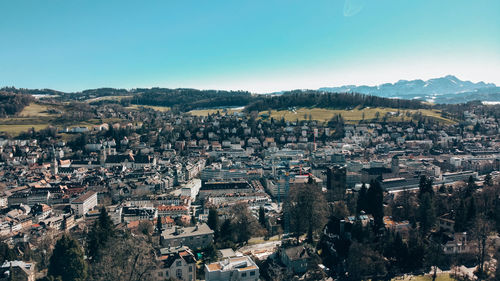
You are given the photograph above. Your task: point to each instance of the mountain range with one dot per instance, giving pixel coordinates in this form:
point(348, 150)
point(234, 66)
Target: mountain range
point(448, 89)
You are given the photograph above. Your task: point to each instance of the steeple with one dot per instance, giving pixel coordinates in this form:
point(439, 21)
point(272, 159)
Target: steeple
point(102, 156)
point(54, 167)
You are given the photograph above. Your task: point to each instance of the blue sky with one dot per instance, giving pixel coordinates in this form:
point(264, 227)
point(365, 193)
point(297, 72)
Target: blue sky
point(252, 45)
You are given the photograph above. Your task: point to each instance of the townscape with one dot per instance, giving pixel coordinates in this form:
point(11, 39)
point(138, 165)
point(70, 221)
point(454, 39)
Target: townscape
point(120, 189)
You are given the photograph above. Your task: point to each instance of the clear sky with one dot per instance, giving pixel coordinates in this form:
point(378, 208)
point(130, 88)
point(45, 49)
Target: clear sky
point(256, 45)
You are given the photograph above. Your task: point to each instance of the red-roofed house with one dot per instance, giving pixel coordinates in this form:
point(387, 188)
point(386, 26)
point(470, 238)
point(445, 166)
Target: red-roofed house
point(172, 211)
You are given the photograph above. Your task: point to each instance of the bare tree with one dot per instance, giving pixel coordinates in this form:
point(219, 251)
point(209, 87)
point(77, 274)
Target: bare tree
point(480, 233)
point(307, 209)
point(125, 258)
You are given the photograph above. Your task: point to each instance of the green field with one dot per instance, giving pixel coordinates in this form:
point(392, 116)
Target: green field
point(157, 108)
point(206, 112)
point(351, 116)
point(323, 115)
point(440, 277)
point(36, 116)
point(15, 130)
point(117, 98)
point(38, 110)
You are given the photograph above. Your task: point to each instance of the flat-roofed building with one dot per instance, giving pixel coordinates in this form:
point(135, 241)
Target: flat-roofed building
point(17, 270)
point(234, 268)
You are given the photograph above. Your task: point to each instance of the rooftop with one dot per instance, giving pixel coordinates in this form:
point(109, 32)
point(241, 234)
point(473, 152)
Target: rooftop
point(235, 263)
point(84, 197)
point(178, 232)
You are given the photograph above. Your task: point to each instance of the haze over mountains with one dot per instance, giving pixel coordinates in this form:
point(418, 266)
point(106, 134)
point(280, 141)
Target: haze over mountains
point(448, 89)
point(444, 90)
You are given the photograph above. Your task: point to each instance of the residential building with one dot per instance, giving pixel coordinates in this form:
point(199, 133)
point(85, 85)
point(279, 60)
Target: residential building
point(295, 258)
point(195, 237)
point(235, 268)
point(20, 270)
point(177, 263)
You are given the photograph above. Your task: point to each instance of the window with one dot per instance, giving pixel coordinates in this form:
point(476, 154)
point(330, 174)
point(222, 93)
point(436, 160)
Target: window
point(190, 268)
point(178, 263)
point(252, 273)
point(160, 274)
point(190, 277)
point(166, 273)
point(178, 273)
point(244, 274)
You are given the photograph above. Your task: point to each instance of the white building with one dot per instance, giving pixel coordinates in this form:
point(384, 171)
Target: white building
point(83, 204)
point(175, 264)
point(235, 268)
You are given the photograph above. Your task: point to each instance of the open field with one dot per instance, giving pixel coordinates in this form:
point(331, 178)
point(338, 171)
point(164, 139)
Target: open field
point(440, 277)
point(157, 108)
point(17, 129)
point(117, 98)
point(352, 116)
point(206, 112)
point(36, 110)
point(323, 115)
point(16, 125)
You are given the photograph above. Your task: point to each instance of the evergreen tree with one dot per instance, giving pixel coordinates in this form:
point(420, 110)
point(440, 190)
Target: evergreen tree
point(488, 181)
point(460, 217)
point(67, 261)
point(6, 253)
point(425, 186)
point(442, 188)
point(471, 187)
point(262, 216)
point(375, 205)
point(471, 211)
point(159, 225)
point(226, 230)
point(416, 252)
point(243, 230)
point(99, 235)
point(213, 220)
point(361, 202)
point(427, 213)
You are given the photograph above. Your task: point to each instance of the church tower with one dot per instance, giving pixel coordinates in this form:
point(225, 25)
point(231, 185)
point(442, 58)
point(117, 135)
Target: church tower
point(102, 156)
point(54, 167)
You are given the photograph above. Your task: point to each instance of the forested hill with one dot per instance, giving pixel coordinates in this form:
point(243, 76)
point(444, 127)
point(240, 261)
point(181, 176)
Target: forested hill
point(329, 100)
point(12, 104)
point(187, 99)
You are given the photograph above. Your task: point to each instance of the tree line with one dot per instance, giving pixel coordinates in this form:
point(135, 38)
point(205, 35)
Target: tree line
point(188, 99)
point(12, 104)
point(311, 98)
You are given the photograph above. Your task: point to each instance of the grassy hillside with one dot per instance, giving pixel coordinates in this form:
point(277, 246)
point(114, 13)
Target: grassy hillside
point(354, 115)
point(350, 116)
point(206, 112)
point(41, 115)
point(157, 108)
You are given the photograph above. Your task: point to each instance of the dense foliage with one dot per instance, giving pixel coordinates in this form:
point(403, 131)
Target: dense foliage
point(187, 99)
point(11, 104)
point(328, 100)
point(67, 261)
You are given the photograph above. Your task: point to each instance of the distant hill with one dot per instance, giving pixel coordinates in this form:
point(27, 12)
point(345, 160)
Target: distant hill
point(448, 89)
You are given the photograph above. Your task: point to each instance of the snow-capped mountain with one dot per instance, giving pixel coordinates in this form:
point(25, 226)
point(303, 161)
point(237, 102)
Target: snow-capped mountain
point(448, 89)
